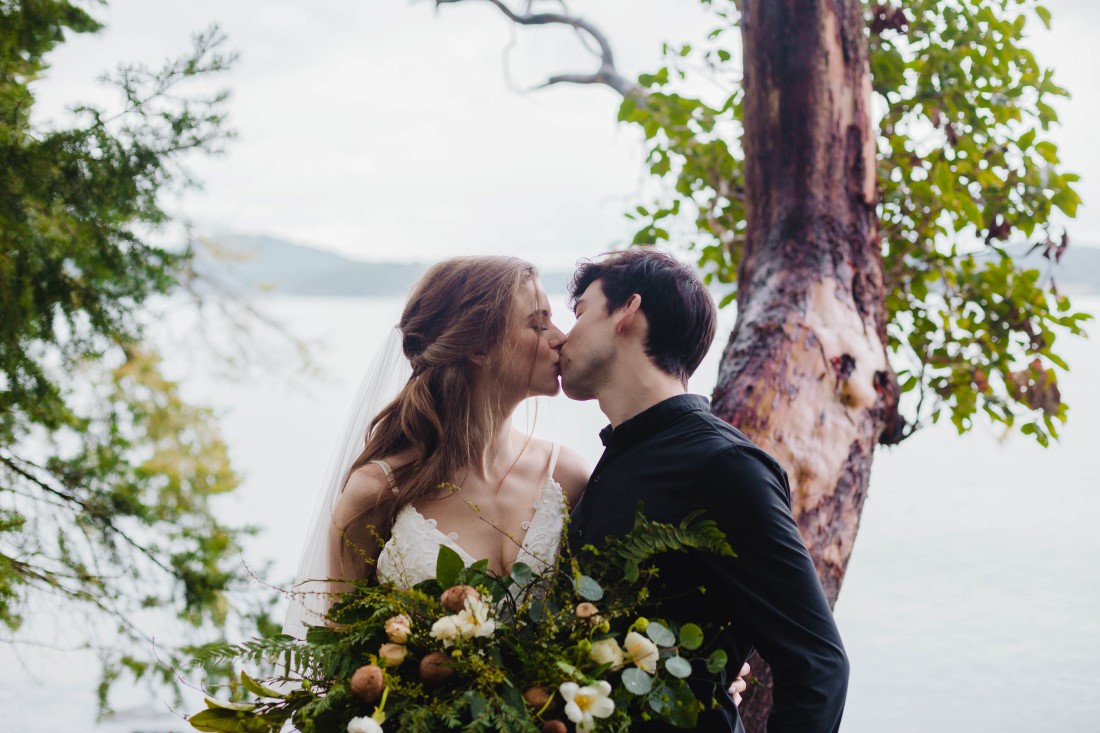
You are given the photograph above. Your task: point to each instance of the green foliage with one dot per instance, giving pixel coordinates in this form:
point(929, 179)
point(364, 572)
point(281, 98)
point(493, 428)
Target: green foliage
point(539, 640)
point(106, 473)
point(965, 167)
point(647, 539)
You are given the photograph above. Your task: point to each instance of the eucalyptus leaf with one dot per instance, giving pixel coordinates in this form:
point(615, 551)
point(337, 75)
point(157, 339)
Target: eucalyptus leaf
point(660, 699)
point(678, 667)
point(636, 681)
point(716, 662)
point(660, 634)
point(691, 637)
point(522, 573)
point(588, 589)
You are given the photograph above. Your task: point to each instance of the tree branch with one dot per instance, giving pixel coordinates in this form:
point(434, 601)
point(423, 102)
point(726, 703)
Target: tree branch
point(607, 74)
point(85, 507)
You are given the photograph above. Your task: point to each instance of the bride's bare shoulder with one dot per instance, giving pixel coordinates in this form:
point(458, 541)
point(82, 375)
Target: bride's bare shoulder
point(572, 473)
point(366, 483)
point(369, 486)
point(571, 470)
point(371, 478)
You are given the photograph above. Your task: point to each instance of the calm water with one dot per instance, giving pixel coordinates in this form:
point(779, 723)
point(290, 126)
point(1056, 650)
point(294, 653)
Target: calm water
point(972, 601)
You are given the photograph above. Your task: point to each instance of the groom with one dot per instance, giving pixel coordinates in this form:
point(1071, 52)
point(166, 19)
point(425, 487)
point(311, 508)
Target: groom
point(644, 323)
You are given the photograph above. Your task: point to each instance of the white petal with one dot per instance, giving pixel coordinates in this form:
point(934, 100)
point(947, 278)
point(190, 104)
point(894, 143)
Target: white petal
point(602, 708)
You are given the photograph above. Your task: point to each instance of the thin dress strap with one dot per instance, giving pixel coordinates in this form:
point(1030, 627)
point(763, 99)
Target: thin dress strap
point(553, 460)
point(389, 472)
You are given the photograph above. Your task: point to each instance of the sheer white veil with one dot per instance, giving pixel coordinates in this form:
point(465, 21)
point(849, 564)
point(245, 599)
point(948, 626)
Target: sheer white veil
point(310, 597)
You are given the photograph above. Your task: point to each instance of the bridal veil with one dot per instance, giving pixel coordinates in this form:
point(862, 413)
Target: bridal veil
point(310, 597)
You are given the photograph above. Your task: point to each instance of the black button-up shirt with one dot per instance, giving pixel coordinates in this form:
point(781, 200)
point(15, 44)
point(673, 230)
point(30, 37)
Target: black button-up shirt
point(676, 457)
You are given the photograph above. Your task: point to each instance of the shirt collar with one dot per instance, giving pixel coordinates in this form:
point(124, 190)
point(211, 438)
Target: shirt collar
point(652, 419)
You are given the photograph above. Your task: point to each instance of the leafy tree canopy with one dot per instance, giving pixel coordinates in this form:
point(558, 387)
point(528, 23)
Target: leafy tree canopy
point(967, 175)
point(106, 474)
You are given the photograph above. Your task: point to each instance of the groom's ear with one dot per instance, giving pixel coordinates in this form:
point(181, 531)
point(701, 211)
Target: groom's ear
point(628, 314)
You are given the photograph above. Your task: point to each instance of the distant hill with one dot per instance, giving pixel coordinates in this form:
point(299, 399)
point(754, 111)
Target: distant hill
point(274, 266)
point(267, 265)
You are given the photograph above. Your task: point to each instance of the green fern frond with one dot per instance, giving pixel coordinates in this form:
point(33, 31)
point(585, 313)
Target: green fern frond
point(647, 539)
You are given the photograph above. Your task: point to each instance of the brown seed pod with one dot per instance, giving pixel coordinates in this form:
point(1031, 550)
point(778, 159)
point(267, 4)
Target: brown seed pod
point(536, 697)
point(454, 598)
point(435, 669)
point(554, 726)
point(586, 610)
point(367, 683)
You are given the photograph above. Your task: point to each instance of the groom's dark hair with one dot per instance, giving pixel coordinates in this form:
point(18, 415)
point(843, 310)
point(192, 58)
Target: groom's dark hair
point(676, 304)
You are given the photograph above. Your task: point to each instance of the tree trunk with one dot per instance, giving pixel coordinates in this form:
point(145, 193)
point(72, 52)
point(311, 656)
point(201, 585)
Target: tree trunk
point(805, 373)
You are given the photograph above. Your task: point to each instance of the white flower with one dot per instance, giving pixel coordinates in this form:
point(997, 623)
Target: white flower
point(445, 630)
point(397, 628)
point(364, 725)
point(607, 651)
point(392, 655)
point(642, 651)
point(584, 704)
point(474, 619)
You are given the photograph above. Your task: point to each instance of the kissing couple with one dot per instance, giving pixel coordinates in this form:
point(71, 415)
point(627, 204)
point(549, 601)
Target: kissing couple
point(441, 464)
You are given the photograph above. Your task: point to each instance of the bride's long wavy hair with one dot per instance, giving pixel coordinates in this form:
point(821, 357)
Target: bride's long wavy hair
point(459, 313)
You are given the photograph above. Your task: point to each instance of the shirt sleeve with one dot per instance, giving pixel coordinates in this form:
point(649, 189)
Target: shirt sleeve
point(771, 592)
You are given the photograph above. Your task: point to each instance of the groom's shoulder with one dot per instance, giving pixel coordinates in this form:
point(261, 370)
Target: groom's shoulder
point(719, 434)
point(728, 446)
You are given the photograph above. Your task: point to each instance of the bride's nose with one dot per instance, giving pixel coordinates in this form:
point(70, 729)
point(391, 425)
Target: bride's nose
point(555, 337)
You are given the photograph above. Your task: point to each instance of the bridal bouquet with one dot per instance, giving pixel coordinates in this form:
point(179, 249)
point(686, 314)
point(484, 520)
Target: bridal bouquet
point(470, 650)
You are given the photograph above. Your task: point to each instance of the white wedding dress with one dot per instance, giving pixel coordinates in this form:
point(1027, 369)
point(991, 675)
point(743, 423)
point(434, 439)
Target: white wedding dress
point(409, 556)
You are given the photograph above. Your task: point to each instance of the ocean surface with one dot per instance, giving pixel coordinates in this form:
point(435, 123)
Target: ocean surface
point(972, 601)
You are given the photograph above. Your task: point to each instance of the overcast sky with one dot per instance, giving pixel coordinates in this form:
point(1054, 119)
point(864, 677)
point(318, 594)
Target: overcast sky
point(385, 130)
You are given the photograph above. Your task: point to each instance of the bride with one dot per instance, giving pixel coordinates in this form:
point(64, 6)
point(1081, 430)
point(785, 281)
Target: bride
point(440, 463)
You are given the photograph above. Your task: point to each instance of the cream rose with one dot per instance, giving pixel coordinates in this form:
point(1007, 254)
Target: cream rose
point(641, 651)
point(445, 630)
point(397, 628)
point(392, 655)
point(607, 651)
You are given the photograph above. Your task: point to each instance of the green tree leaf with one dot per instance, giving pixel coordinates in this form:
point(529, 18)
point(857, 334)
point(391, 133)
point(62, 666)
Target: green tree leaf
point(448, 565)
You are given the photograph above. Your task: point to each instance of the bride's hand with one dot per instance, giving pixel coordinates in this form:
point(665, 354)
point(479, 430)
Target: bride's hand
point(739, 685)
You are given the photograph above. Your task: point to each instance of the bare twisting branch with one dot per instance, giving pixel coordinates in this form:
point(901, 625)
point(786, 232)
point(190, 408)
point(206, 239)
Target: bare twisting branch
point(606, 74)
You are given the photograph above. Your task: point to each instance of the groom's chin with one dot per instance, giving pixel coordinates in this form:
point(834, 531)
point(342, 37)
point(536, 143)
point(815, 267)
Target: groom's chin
point(573, 393)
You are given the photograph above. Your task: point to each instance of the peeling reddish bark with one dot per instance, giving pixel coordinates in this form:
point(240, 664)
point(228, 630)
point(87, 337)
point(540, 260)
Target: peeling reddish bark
point(805, 373)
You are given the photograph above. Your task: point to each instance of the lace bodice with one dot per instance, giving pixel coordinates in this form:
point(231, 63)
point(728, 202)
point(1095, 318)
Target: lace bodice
point(409, 556)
